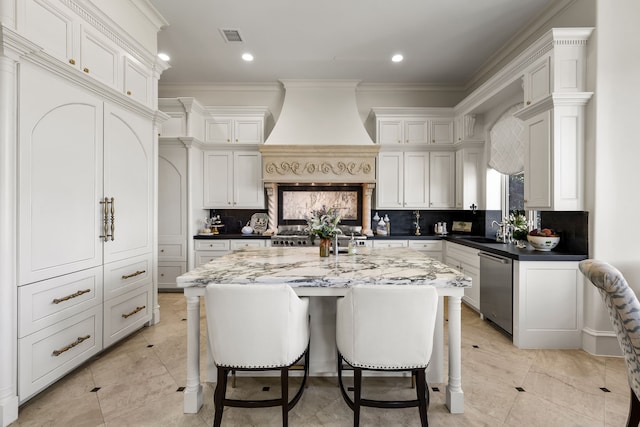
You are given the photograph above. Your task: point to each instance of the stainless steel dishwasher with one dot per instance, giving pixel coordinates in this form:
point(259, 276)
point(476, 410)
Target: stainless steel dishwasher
point(496, 290)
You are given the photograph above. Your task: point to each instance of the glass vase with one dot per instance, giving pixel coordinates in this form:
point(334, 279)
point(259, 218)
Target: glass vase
point(325, 247)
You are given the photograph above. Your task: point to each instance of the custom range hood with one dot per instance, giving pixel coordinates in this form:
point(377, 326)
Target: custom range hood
point(319, 139)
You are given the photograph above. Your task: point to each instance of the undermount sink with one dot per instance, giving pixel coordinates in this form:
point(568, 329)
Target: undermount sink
point(478, 239)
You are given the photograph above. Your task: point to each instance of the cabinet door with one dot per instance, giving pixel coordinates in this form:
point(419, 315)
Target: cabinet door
point(537, 167)
point(248, 190)
point(472, 294)
point(48, 26)
point(390, 131)
point(219, 130)
point(416, 178)
point(416, 131)
point(128, 179)
point(218, 179)
point(468, 178)
point(172, 195)
point(390, 186)
point(537, 81)
point(442, 131)
point(99, 58)
point(441, 179)
point(60, 176)
point(137, 82)
point(248, 131)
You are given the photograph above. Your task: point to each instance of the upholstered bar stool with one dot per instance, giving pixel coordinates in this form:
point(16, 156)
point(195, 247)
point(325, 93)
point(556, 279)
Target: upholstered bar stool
point(386, 328)
point(256, 328)
point(624, 311)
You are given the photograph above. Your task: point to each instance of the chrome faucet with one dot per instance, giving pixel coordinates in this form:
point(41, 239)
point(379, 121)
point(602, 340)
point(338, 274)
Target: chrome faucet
point(501, 233)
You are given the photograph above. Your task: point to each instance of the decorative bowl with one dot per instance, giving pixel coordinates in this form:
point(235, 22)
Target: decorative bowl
point(543, 243)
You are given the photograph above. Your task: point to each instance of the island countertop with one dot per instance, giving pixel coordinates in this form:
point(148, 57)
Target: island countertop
point(303, 267)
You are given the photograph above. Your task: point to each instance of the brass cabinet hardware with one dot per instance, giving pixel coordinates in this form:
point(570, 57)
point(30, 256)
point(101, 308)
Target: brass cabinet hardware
point(528, 102)
point(236, 139)
point(228, 140)
point(86, 70)
point(72, 61)
point(68, 297)
point(70, 346)
point(137, 273)
point(137, 309)
point(128, 92)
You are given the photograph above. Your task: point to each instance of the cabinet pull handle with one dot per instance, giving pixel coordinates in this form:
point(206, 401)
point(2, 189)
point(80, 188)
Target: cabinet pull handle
point(72, 61)
point(137, 273)
point(128, 92)
point(70, 346)
point(68, 297)
point(528, 102)
point(236, 139)
point(86, 70)
point(137, 309)
point(105, 219)
point(228, 140)
point(113, 219)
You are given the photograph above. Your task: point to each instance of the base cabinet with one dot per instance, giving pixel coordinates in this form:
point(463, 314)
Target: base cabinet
point(547, 305)
point(466, 260)
point(210, 249)
point(432, 248)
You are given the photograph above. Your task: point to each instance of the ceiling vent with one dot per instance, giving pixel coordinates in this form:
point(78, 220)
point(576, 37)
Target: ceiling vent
point(231, 36)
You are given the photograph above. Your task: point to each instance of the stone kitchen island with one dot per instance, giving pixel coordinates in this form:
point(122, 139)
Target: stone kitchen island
point(323, 280)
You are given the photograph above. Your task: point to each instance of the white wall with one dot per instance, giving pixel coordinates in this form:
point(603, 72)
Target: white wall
point(613, 149)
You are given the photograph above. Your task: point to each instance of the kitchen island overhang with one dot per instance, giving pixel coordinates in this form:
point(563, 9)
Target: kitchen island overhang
point(313, 276)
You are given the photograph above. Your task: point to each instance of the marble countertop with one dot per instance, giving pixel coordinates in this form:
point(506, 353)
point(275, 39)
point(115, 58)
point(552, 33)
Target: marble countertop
point(304, 267)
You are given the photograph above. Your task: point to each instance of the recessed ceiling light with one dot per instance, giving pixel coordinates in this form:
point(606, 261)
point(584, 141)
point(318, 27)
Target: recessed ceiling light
point(164, 56)
point(397, 58)
point(247, 57)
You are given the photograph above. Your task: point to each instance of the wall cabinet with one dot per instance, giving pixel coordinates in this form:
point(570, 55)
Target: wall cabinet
point(233, 179)
point(414, 126)
point(466, 260)
point(64, 35)
point(411, 179)
point(469, 172)
point(537, 80)
point(235, 125)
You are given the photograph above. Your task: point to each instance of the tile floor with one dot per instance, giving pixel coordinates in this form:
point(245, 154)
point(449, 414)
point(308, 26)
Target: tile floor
point(135, 383)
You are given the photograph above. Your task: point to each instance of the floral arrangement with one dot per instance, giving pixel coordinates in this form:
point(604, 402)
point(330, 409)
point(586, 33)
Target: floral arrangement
point(323, 222)
point(519, 226)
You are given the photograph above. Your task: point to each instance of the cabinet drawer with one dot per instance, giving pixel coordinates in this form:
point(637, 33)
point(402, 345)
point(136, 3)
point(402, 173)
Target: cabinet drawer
point(390, 243)
point(49, 353)
point(206, 256)
point(212, 245)
point(44, 303)
point(123, 276)
point(426, 245)
point(171, 252)
point(167, 273)
point(125, 314)
point(237, 244)
point(463, 254)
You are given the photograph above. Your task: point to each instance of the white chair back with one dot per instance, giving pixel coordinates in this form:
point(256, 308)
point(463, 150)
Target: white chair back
point(256, 326)
point(387, 326)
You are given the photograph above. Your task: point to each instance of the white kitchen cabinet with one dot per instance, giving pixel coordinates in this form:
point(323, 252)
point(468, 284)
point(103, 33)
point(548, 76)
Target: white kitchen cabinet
point(235, 125)
point(233, 179)
point(469, 172)
point(65, 35)
point(547, 304)
point(210, 249)
point(442, 179)
point(414, 126)
point(537, 80)
point(432, 248)
point(388, 243)
point(415, 180)
point(466, 260)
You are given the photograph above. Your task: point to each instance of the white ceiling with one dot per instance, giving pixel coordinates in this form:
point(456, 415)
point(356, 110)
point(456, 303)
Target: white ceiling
point(443, 41)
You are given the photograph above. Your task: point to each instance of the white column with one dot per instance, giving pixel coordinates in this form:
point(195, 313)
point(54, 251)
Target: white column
point(366, 208)
point(8, 226)
point(193, 389)
point(454, 394)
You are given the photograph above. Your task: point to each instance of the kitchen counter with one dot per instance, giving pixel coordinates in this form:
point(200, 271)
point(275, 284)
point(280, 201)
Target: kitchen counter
point(230, 236)
point(513, 252)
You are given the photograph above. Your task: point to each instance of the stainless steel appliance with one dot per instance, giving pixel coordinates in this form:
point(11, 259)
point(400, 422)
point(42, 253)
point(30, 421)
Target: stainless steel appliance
point(298, 235)
point(496, 290)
